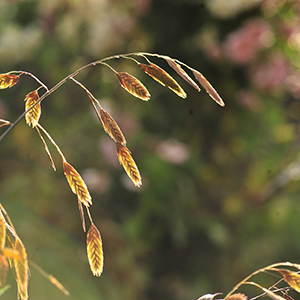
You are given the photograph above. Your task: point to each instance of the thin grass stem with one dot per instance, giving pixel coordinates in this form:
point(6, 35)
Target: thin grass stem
point(52, 141)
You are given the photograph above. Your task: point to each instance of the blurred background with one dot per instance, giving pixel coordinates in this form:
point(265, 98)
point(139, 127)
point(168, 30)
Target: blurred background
point(220, 193)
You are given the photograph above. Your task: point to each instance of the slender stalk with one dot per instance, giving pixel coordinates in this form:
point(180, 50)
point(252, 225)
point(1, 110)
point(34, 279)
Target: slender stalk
point(49, 92)
point(284, 290)
point(50, 277)
point(89, 214)
point(46, 148)
point(35, 78)
point(137, 62)
point(59, 84)
point(287, 264)
point(269, 293)
point(92, 98)
point(52, 141)
point(5, 122)
point(105, 64)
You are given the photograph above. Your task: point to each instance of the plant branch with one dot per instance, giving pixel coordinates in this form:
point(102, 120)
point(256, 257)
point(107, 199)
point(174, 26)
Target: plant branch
point(59, 84)
point(270, 267)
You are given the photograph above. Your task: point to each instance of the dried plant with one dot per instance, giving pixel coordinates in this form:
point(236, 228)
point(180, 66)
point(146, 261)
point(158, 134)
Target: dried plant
point(16, 252)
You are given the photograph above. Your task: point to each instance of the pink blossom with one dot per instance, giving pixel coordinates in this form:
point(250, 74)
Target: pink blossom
point(243, 45)
point(214, 51)
point(97, 181)
point(173, 151)
point(293, 84)
point(128, 124)
point(248, 100)
point(271, 76)
point(108, 149)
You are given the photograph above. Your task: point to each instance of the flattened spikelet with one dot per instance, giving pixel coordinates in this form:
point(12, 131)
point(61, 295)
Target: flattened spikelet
point(292, 279)
point(133, 86)
point(129, 164)
point(33, 116)
point(163, 78)
point(8, 80)
point(22, 270)
point(208, 87)
point(177, 68)
point(94, 250)
point(111, 127)
point(237, 296)
point(77, 184)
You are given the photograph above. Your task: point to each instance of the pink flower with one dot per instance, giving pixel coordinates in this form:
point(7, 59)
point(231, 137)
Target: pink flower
point(272, 75)
point(108, 150)
point(97, 181)
point(173, 151)
point(243, 45)
point(213, 51)
point(248, 100)
point(293, 84)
